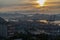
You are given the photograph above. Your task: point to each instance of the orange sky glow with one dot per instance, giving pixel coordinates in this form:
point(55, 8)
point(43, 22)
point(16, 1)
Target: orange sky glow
point(52, 6)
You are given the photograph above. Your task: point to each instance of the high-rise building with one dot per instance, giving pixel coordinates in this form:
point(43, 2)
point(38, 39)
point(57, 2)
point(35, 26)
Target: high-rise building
point(7, 29)
point(10, 29)
point(3, 28)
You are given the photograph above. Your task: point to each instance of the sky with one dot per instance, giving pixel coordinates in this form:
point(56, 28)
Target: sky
point(10, 2)
point(29, 6)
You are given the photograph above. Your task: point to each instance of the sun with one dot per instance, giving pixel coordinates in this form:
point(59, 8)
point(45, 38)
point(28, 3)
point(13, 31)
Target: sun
point(41, 2)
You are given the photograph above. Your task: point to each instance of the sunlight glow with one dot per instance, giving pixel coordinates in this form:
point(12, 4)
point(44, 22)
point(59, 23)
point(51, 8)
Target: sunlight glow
point(41, 2)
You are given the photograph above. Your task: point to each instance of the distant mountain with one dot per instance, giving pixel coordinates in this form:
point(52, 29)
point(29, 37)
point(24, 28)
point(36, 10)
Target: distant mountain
point(34, 16)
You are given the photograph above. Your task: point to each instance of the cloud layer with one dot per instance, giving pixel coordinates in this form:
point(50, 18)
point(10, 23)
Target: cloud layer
point(29, 7)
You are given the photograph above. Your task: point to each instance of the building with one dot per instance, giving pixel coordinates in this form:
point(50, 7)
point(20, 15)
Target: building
point(7, 29)
point(3, 28)
point(10, 29)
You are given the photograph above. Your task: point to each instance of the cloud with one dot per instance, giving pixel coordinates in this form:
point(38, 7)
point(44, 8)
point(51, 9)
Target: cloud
point(11, 2)
point(52, 7)
point(30, 8)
